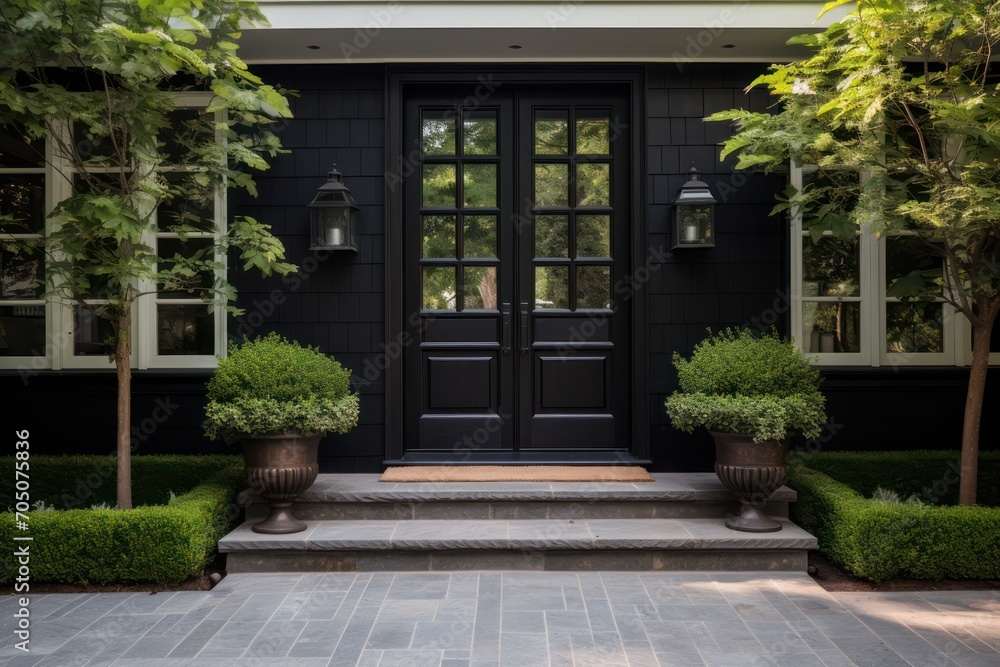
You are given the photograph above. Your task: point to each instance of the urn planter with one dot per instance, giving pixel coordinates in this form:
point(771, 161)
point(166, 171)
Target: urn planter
point(280, 466)
point(753, 471)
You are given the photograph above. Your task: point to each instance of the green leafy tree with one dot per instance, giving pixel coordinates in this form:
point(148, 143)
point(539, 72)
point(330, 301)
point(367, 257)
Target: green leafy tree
point(899, 110)
point(98, 80)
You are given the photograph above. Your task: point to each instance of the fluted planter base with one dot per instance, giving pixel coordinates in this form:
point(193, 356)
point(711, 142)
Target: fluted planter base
point(280, 466)
point(753, 471)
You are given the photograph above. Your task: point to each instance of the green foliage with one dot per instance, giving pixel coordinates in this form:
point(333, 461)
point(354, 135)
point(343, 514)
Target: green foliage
point(740, 382)
point(155, 544)
point(878, 540)
point(273, 384)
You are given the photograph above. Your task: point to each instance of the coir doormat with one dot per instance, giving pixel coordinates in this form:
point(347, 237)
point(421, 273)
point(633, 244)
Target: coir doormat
point(516, 474)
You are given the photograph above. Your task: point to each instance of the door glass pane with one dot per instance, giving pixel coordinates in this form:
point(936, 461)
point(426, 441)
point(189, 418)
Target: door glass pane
point(22, 330)
point(480, 236)
point(551, 236)
point(593, 185)
point(439, 185)
point(439, 235)
point(184, 329)
point(831, 327)
point(439, 288)
point(593, 236)
point(92, 335)
point(22, 272)
point(551, 132)
point(593, 133)
point(906, 254)
point(22, 197)
point(830, 267)
point(182, 286)
point(551, 185)
point(437, 132)
point(480, 136)
point(914, 327)
point(551, 287)
point(593, 287)
point(479, 185)
point(480, 287)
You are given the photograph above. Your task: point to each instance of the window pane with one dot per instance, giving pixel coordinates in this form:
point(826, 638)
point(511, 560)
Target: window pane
point(16, 153)
point(593, 184)
point(439, 288)
point(551, 185)
point(480, 236)
point(439, 185)
point(593, 236)
point(830, 267)
point(914, 327)
point(551, 132)
point(593, 133)
point(480, 133)
point(22, 273)
point(551, 236)
point(22, 331)
point(181, 286)
point(189, 130)
point(184, 329)
point(906, 254)
point(191, 204)
point(92, 335)
point(479, 185)
point(437, 133)
point(551, 287)
point(831, 327)
point(95, 147)
point(480, 287)
point(439, 235)
point(22, 196)
point(593, 287)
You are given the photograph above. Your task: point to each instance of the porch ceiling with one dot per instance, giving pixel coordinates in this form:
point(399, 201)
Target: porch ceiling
point(573, 30)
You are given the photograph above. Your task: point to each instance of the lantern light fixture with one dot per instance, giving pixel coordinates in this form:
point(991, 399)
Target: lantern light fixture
point(333, 216)
point(694, 214)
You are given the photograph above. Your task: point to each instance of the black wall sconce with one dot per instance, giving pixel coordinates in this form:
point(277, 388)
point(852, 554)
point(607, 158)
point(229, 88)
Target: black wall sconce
point(333, 216)
point(694, 214)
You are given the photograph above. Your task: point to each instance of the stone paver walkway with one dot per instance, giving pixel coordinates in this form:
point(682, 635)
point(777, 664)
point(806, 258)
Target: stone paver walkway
point(510, 618)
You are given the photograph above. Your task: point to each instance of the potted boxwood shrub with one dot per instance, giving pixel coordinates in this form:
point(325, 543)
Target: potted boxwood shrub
point(278, 399)
point(752, 392)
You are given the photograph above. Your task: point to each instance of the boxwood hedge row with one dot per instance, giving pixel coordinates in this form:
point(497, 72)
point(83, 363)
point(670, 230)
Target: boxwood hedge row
point(159, 544)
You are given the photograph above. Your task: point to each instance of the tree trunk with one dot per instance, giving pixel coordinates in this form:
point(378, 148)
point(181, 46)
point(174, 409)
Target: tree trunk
point(974, 403)
point(123, 354)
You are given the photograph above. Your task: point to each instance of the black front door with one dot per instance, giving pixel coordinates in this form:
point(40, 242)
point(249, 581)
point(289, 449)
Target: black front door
point(516, 229)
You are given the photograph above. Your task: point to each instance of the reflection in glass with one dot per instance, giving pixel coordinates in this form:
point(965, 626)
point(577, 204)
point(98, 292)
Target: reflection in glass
point(479, 183)
point(16, 153)
point(22, 272)
point(198, 249)
point(593, 135)
point(190, 205)
point(914, 327)
point(480, 133)
point(22, 197)
point(93, 145)
point(439, 288)
point(551, 185)
point(593, 236)
point(190, 129)
point(480, 287)
point(830, 267)
point(551, 236)
point(439, 235)
point(184, 329)
point(92, 335)
point(480, 236)
point(22, 330)
point(831, 327)
point(439, 182)
point(551, 287)
point(551, 132)
point(593, 287)
point(906, 254)
point(437, 133)
point(593, 185)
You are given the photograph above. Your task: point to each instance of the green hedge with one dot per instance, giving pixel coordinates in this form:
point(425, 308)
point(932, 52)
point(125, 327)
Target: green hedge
point(877, 540)
point(156, 544)
point(932, 475)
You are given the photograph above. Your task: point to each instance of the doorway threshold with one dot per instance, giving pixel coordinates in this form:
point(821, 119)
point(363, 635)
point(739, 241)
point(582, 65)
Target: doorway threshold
point(579, 458)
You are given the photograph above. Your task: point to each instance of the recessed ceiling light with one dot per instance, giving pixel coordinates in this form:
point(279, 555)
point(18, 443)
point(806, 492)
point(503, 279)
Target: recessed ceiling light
point(514, 46)
point(314, 47)
point(729, 46)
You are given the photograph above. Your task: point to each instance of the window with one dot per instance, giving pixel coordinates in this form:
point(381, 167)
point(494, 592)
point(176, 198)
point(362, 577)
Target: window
point(172, 327)
point(841, 312)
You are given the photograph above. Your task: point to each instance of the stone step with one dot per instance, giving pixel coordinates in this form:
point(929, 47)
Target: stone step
point(549, 544)
point(363, 497)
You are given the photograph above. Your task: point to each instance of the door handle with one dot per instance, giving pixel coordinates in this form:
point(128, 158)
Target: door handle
point(505, 346)
point(524, 328)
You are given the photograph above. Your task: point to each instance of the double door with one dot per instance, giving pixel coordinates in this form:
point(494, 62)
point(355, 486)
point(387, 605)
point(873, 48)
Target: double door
point(516, 230)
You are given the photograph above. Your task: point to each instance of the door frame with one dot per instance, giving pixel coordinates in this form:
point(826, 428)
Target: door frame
point(400, 79)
